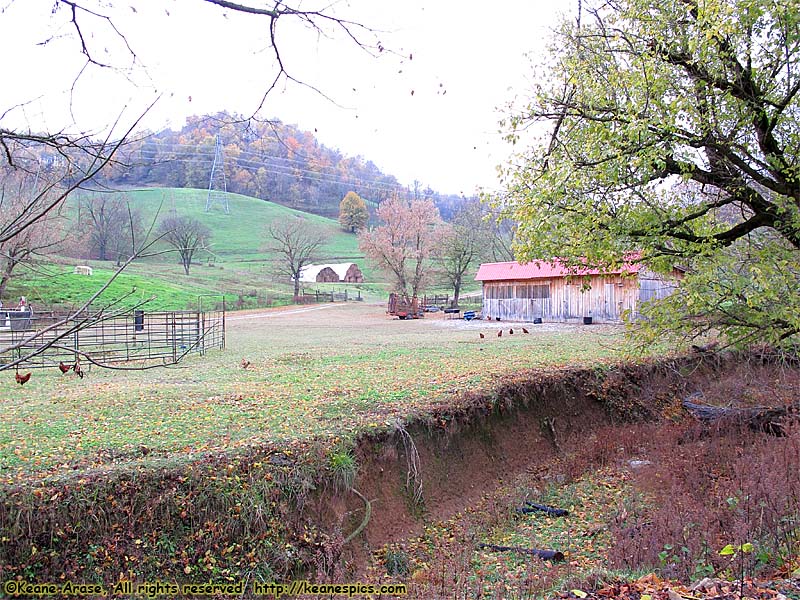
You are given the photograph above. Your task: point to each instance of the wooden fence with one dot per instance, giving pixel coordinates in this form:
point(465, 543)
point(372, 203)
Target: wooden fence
point(332, 296)
point(46, 339)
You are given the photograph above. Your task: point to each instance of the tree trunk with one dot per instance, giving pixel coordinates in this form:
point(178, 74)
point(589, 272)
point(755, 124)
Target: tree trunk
point(6, 277)
point(297, 287)
point(456, 292)
point(766, 419)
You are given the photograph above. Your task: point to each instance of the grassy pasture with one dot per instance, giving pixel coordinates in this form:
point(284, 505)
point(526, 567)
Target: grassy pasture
point(325, 370)
point(238, 236)
point(239, 264)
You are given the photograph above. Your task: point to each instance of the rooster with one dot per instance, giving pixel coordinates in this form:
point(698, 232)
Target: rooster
point(525, 330)
point(245, 363)
point(482, 336)
point(22, 379)
point(510, 332)
point(77, 368)
point(63, 368)
point(500, 333)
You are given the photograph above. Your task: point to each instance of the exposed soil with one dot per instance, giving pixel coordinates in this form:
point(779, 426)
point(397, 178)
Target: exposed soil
point(236, 514)
point(468, 453)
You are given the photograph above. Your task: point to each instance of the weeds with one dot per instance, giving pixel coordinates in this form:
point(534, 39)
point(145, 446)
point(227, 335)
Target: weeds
point(343, 466)
point(727, 504)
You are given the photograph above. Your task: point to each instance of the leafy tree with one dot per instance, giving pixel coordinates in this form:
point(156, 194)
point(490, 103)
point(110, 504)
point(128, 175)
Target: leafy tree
point(464, 243)
point(673, 133)
point(297, 242)
point(353, 213)
point(405, 243)
point(186, 235)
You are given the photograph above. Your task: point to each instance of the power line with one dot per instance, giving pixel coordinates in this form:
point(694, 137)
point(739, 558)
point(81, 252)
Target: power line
point(188, 153)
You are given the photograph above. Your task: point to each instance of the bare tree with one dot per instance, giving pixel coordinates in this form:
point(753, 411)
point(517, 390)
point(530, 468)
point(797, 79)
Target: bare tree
point(186, 236)
point(297, 243)
point(464, 242)
point(16, 191)
point(65, 160)
point(111, 225)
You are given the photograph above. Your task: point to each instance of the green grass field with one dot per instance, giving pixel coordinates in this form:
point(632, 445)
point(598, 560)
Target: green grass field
point(239, 236)
point(239, 265)
point(325, 370)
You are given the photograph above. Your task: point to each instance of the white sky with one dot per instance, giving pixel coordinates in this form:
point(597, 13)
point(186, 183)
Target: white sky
point(468, 61)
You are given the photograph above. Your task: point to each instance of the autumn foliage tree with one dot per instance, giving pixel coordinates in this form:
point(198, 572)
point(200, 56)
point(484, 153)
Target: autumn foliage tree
point(405, 243)
point(673, 132)
point(353, 213)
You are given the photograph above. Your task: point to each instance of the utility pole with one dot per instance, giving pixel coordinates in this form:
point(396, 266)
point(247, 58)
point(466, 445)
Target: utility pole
point(217, 186)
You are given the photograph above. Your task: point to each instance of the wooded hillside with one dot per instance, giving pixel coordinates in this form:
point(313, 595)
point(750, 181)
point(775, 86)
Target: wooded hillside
point(268, 160)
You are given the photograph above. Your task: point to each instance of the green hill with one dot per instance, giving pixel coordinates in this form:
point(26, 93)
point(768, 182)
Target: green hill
point(240, 234)
point(239, 264)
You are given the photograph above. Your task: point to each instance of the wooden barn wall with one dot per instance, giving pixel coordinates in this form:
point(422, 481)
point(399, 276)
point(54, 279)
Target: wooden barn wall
point(653, 286)
point(607, 298)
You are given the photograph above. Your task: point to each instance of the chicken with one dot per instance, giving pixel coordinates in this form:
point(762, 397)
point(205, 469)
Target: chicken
point(22, 379)
point(500, 333)
point(482, 336)
point(63, 368)
point(77, 368)
point(510, 332)
point(245, 363)
point(525, 330)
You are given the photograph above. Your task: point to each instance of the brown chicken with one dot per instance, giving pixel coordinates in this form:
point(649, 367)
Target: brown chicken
point(63, 368)
point(77, 368)
point(245, 363)
point(525, 330)
point(510, 332)
point(500, 333)
point(22, 379)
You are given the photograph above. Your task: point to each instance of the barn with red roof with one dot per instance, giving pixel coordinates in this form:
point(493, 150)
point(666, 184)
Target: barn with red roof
point(551, 292)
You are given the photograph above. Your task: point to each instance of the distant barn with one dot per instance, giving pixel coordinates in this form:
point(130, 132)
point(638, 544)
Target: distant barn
point(334, 273)
point(541, 290)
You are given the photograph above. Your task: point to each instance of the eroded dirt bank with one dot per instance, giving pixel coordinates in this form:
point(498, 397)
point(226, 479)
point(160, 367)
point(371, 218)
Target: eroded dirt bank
point(458, 455)
point(276, 513)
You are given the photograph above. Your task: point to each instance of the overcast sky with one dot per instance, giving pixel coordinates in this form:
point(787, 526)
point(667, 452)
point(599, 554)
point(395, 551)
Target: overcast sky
point(426, 109)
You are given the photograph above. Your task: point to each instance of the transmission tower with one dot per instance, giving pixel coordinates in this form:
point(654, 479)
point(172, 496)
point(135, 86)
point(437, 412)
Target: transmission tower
point(217, 187)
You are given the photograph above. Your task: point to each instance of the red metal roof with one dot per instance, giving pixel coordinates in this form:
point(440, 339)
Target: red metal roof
point(540, 270)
